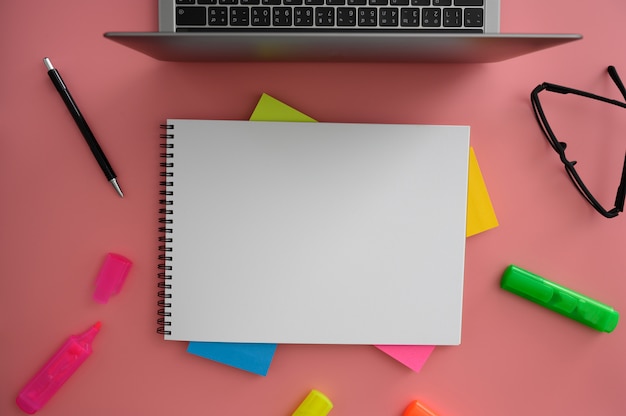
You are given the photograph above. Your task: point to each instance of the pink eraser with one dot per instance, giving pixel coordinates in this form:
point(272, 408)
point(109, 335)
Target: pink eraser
point(111, 277)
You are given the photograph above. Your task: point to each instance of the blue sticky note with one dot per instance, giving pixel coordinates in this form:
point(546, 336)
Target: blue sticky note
point(254, 358)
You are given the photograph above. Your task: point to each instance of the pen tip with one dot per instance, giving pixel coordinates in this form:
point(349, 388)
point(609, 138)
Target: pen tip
point(117, 187)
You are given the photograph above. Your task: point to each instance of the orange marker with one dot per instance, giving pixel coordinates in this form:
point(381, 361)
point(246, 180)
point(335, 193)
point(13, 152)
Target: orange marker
point(415, 408)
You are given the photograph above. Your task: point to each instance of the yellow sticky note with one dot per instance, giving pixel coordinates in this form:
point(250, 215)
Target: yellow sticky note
point(270, 109)
point(480, 214)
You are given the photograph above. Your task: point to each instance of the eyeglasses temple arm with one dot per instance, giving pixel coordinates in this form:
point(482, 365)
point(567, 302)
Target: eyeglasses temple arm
point(556, 88)
point(617, 80)
point(621, 190)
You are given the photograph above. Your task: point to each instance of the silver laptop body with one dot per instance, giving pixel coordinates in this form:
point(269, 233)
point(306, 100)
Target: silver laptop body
point(227, 30)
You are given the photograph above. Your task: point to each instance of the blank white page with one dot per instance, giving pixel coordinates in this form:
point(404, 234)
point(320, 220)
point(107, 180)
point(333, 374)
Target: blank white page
point(317, 232)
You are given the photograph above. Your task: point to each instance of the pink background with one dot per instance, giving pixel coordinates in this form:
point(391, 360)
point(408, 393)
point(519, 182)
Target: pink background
point(59, 218)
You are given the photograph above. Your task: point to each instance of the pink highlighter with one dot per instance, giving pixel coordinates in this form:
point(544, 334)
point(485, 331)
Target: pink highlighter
point(57, 371)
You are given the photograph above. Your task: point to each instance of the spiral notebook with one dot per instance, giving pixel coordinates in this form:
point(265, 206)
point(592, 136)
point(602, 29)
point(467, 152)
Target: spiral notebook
point(278, 232)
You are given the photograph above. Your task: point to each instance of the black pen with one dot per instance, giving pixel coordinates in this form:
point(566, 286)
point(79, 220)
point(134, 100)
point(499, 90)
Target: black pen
point(82, 126)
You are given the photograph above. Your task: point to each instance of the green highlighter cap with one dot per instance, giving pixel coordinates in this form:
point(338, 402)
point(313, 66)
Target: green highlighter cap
point(560, 299)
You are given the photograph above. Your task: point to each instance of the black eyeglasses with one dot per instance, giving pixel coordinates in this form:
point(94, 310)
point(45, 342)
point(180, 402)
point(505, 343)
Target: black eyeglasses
point(559, 147)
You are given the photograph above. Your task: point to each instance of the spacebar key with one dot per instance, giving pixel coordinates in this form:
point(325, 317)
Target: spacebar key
point(195, 16)
point(468, 2)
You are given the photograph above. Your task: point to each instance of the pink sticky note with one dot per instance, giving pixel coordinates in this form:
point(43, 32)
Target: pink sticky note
point(412, 356)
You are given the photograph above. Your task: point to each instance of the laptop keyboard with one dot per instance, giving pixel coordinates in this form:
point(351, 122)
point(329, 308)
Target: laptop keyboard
point(412, 15)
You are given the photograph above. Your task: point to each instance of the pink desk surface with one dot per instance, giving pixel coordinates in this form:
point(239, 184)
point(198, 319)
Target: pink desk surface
point(59, 218)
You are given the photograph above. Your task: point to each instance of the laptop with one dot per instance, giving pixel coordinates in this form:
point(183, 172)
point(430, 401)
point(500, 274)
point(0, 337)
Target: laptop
point(457, 31)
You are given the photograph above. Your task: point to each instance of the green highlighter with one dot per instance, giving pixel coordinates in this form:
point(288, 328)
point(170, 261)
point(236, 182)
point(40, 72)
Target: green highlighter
point(560, 299)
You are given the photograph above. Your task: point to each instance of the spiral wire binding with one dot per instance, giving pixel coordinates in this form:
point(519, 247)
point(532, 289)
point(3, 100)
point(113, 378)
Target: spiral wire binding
point(165, 229)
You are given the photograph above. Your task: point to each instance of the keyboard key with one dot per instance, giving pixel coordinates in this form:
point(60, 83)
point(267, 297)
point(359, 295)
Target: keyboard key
point(442, 2)
point(239, 16)
point(420, 2)
point(271, 2)
point(346, 16)
point(473, 17)
point(378, 2)
point(452, 17)
point(409, 17)
point(207, 1)
point(431, 17)
point(281, 16)
point(314, 2)
point(228, 1)
point(292, 2)
point(260, 16)
point(399, 2)
point(250, 2)
point(357, 2)
point(303, 16)
point(324, 16)
point(190, 16)
point(367, 16)
point(468, 2)
point(388, 16)
point(335, 2)
point(185, 1)
point(218, 16)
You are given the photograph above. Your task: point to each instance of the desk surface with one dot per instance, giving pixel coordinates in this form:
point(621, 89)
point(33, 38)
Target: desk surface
point(60, 218)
